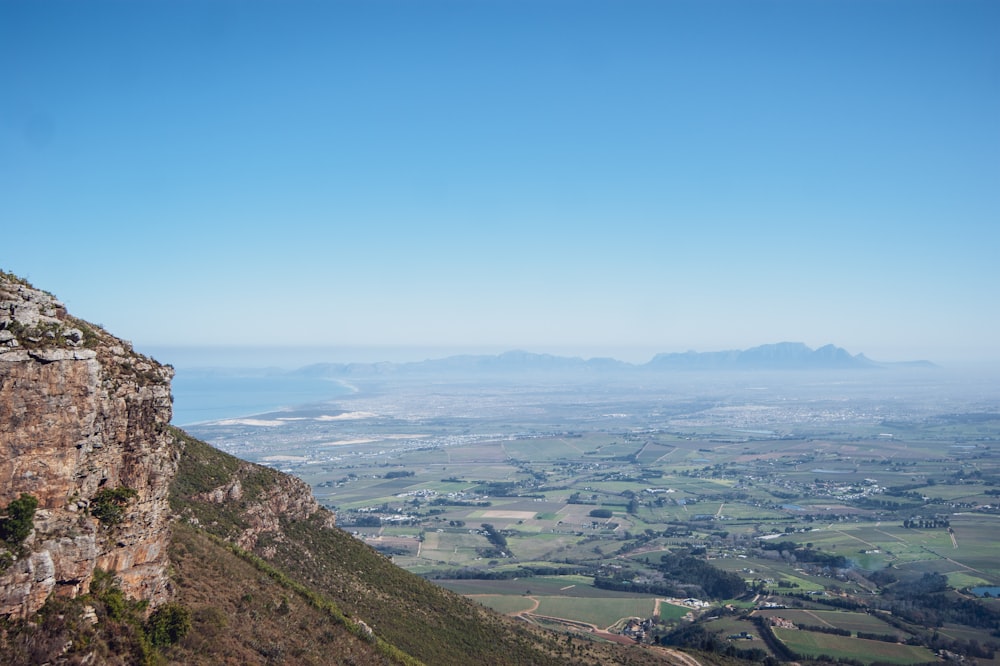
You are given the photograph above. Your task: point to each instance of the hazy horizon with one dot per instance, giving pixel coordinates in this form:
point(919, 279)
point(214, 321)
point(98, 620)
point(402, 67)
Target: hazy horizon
point(598, 178)
point(290, 358)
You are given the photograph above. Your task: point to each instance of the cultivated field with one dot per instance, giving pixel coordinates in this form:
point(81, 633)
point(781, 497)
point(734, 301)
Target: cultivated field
point(812, 644)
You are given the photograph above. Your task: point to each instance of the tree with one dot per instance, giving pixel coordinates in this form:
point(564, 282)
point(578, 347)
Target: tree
point(18, 523)
point(108, 505)
point(170, 623)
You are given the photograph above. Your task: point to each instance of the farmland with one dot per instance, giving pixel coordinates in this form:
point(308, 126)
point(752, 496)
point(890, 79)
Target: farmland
point(812, 644)
point(837, 498)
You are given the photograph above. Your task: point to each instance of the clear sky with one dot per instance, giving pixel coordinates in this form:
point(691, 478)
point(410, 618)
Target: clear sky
point(600, 177)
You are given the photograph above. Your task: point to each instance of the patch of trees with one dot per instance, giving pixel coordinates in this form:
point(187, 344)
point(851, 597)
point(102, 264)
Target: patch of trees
point(918, 522)
point(542, 570)
point(780, 650)
point(443, 501)
point(909, 492)
point(716, 583)
point(634, 541)
point(494, 536)
point(969, 648)
point(601, 513)
point(936, 641)
point(885, 638)
point(886, 505)
point(577, 498)
point(498, 488)
point(685, 576)
point(883, 577)
point(805, 554)
point(469, 573)
point(927, 601)
point(476, 574)
point(822, 629)
point(399, 474)
point(665, 588)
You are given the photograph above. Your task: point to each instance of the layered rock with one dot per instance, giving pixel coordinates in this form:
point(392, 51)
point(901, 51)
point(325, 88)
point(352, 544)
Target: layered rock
point(81, 414)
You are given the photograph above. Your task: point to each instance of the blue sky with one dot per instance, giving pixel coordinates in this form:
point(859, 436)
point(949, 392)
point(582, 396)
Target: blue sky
point(598, 178)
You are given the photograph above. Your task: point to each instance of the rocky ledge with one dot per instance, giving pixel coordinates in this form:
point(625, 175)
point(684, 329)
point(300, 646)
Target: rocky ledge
point(83, 429)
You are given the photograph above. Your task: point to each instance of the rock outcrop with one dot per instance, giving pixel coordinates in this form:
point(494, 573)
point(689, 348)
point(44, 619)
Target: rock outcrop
point(261, 510)
point(83, 426)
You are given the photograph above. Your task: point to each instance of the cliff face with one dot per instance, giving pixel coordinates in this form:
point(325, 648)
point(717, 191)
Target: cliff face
point(81, 415)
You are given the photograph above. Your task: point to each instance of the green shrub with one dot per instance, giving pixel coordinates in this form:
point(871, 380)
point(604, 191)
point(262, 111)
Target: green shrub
point(168, 624)
point(108, 505)
point(120, 620)
point(17, 525)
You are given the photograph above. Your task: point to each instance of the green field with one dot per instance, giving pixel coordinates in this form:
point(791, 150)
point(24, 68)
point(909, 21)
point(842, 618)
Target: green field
point(598, 611)
point(813, 644)
point(853, 622)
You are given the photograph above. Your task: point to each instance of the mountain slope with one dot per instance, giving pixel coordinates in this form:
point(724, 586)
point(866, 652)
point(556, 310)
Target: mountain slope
point(125, 541)
point(324, 563)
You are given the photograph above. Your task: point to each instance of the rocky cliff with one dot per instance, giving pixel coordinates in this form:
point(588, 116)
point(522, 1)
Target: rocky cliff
point(83, 428)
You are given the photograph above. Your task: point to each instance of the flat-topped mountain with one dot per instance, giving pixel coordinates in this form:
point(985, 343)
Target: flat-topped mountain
point(780, 356)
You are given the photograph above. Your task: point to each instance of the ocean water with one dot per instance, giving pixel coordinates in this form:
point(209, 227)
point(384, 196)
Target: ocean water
point(201, 396)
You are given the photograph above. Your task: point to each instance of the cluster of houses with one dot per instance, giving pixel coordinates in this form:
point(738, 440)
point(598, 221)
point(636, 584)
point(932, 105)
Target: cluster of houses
point(637, 629)
point(742, 636)
point(770, 605)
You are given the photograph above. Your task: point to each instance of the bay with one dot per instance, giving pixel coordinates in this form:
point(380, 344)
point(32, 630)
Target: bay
point(201, 396)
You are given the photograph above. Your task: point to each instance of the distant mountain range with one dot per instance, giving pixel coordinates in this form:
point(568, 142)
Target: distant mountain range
point(779, 356)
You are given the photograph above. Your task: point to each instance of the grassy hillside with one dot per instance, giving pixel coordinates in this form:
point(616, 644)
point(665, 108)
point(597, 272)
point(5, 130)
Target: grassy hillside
point(328, 585)
point(242, 615)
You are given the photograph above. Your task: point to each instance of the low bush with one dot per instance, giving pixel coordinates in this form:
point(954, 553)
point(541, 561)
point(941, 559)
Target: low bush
point(108, 505)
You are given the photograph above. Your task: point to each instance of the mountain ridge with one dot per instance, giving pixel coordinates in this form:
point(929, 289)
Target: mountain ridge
point(782, 356)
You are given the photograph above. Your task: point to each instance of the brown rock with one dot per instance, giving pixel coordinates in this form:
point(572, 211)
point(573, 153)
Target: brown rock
point(80, 411)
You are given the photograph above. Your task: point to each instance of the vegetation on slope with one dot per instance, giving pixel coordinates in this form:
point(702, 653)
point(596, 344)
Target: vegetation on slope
point(242, 615)
point(101, 627)
point(351, 584)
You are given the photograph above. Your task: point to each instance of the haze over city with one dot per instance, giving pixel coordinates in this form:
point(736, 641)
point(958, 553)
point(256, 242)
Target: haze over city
point(591, 178)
